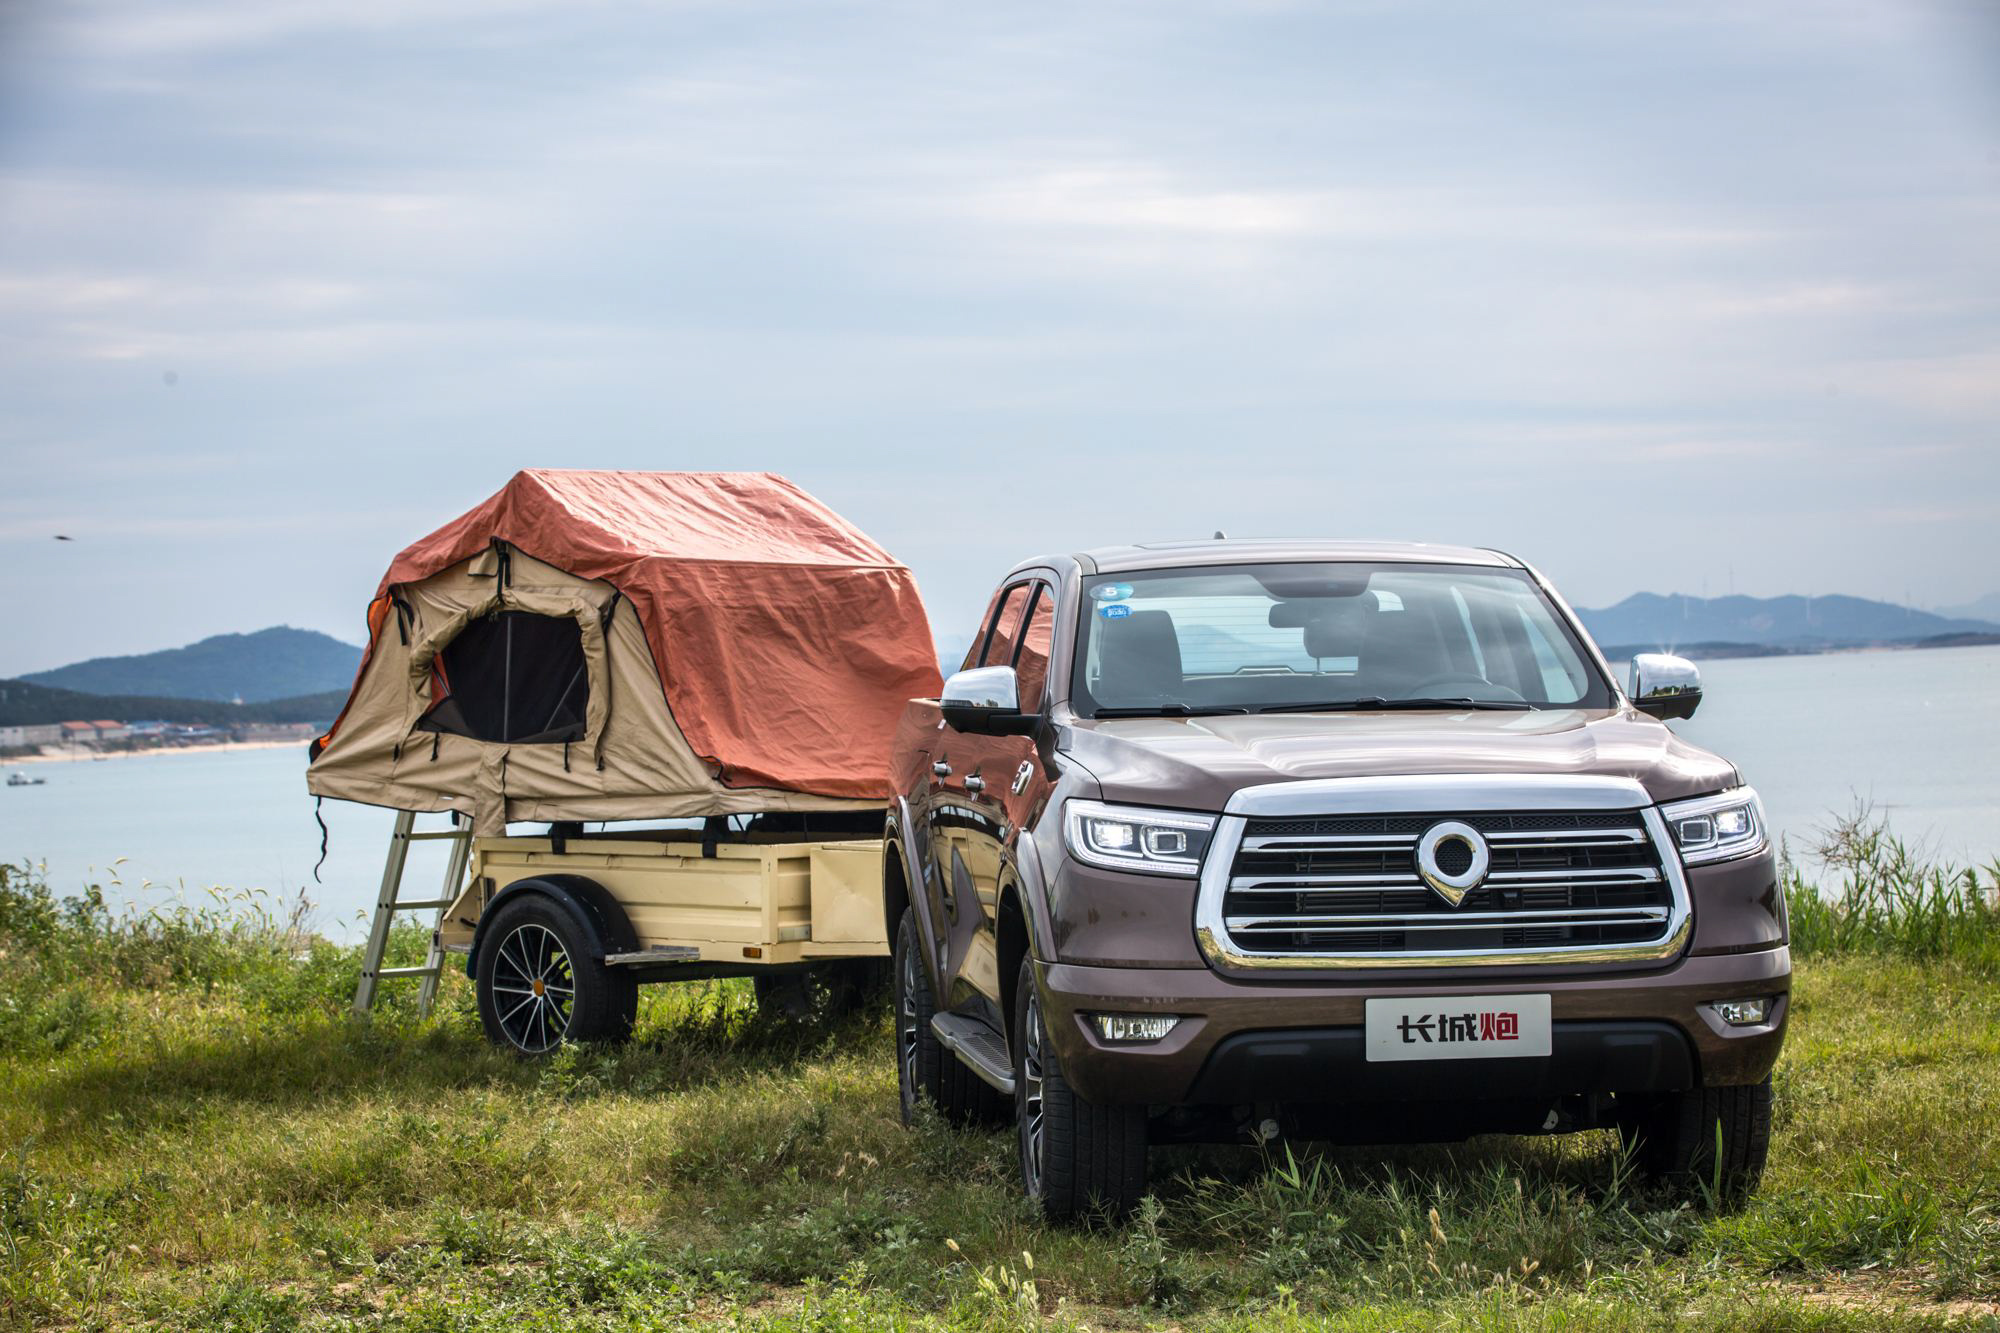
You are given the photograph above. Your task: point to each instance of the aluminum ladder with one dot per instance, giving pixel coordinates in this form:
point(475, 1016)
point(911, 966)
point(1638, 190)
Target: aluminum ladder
point(389, 902)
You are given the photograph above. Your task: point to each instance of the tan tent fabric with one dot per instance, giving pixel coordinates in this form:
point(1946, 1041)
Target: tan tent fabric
point(757, 654)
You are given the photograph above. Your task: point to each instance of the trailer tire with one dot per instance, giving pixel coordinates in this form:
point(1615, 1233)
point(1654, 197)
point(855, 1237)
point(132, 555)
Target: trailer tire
point(924, 1068)
point(824, 992)
point(540, 981)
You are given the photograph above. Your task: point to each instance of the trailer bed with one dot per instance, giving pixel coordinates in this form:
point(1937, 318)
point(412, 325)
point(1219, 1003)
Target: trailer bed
point(746, 903)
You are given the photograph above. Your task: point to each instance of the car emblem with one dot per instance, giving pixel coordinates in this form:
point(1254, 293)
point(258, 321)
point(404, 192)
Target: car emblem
point(1453, 859)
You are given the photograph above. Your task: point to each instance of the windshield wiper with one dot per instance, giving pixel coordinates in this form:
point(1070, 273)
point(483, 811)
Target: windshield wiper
point(1376, 703)
point(1171, 710)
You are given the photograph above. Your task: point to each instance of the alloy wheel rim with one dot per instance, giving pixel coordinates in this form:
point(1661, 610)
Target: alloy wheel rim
point(534, 988)
point(1033, 1131)
point(906, 1025)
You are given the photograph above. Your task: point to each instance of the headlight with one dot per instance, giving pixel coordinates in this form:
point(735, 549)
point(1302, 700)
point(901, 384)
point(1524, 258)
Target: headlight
point(1126, 837)
point(1717, 828)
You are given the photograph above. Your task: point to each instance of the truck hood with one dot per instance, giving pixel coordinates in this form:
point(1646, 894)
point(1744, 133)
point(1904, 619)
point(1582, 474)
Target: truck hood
point(1199, 763)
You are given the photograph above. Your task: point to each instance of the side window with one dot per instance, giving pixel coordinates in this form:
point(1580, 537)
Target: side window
point(1471, 635)
point(1558, 685)
point(979, 635)
point(1006, 633)
point(1031, 662)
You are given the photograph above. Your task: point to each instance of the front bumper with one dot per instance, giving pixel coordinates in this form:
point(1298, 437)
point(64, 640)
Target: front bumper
point(1292, 1038)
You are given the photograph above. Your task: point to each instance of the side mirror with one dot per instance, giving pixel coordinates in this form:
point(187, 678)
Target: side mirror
point(985, 701)
point(1665, 686)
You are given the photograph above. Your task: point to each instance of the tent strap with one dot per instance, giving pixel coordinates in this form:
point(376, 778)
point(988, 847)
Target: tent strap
point(604, 625)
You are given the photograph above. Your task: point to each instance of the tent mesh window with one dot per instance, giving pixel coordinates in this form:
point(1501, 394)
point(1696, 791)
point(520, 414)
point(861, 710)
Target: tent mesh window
point(516, 677)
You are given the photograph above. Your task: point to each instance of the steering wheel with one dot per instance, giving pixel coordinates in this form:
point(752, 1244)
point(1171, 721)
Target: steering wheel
point(1484, 690)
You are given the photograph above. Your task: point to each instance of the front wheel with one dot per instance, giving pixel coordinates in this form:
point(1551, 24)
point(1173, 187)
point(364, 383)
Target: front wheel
point(1708, 1142)
point(1077, 1158)
point(538, 985)
point(924, 1068)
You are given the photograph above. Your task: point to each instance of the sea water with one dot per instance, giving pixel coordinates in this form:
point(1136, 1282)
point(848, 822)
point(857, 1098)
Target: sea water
point(1915, 735)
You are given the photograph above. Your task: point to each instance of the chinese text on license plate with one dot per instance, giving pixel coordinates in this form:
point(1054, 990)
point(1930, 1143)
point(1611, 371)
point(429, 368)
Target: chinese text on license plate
point(1458, 1027)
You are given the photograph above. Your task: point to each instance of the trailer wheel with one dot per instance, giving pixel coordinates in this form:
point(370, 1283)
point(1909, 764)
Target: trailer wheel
point(827, 991)
point(538, 985)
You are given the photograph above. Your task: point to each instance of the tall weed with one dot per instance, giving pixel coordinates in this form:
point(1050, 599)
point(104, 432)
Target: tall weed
point(1893, 900)
point(65, 957)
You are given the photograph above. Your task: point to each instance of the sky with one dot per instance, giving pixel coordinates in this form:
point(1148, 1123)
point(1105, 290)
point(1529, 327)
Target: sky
point(1691, 297)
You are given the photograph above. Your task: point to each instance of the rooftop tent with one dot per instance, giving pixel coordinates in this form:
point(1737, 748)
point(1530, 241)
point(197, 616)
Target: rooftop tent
point(632, 645)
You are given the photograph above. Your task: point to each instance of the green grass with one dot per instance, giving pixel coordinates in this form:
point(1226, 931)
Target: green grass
point(1890, 900)
point(194, 1135)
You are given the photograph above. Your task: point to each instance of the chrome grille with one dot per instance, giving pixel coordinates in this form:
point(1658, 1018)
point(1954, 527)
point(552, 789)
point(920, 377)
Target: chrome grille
point(1347, 886)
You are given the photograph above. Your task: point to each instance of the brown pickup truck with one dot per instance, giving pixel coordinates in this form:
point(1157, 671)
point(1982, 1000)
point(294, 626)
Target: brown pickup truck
point(1221, 841)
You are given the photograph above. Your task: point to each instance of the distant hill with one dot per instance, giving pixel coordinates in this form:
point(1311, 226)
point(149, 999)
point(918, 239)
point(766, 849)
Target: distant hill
point(1651, 621)
point(23, 703)
point(276, 663)
point(1980, 608)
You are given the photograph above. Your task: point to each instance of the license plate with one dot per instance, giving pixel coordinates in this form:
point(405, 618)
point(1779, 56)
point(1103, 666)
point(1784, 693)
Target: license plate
point(1458, 1027)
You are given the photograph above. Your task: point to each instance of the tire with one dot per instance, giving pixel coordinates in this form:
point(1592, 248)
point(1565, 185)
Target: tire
point(871, 978)
point(537, 986)
point(1078, 1159)
point(1677, 1136)
point(924, 1068)
point(823, 993)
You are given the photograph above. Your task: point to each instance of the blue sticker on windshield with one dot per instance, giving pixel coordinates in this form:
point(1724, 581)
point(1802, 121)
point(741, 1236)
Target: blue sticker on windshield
point(1111, 592)
point(1116, 611)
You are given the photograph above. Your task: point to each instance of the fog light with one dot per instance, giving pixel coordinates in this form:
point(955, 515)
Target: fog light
point(1743, 1013)
point(1133, 1027)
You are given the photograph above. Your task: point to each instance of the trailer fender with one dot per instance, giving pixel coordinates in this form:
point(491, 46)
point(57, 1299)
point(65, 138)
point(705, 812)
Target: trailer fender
point(587, 902)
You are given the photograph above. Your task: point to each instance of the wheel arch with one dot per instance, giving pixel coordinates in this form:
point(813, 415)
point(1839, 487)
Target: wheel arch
point(1020, 926)
point(596, 912)
point(899, 877)
point(1010, 939)
point(895, 888)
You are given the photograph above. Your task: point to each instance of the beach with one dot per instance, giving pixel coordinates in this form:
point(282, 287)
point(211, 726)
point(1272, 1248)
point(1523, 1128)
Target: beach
point(60, 756)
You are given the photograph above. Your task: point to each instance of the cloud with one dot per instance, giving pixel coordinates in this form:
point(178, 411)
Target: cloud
point(220, 27)
point(992, 278)
point(1952, 385)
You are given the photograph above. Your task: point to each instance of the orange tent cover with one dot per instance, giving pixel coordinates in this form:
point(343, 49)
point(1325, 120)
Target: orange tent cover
point(786, 641)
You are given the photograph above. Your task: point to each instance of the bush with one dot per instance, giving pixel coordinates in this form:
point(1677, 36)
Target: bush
point(1892, 900)
point(69, 959)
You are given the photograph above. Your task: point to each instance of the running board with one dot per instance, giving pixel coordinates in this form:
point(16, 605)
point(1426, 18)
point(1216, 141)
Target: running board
point(659, 953)
point(979, 1047)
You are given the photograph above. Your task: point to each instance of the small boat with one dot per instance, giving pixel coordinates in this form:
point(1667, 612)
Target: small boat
point(23, 780)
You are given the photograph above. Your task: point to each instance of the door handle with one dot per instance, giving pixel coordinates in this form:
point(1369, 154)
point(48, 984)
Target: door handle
point(974, 782)
point(941, 768)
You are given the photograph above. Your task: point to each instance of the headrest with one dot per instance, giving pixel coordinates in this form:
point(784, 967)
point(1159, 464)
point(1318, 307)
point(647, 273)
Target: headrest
point(1400, 648)
point(1141, 656)
point(1336, 627)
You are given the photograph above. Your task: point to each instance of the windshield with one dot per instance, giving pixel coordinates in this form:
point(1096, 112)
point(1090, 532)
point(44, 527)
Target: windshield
point(1253, 638)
